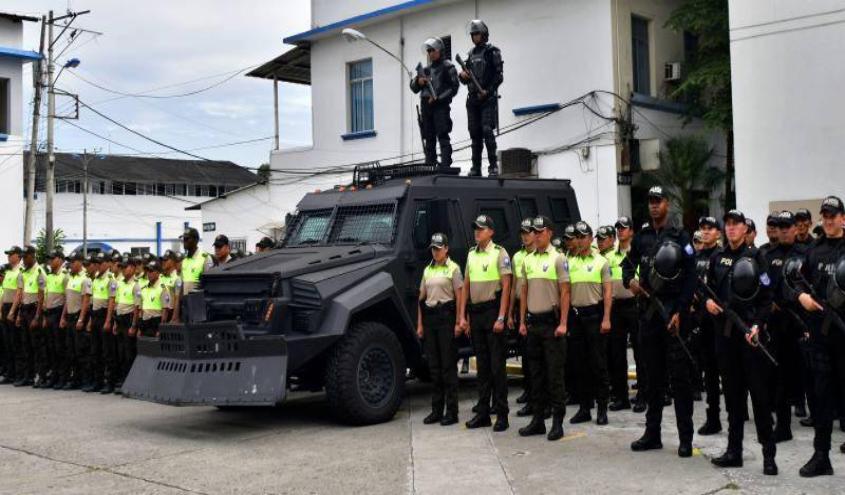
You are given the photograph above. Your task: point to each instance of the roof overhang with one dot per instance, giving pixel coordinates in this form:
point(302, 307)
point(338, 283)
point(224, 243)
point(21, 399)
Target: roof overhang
point(18, 17)
point(26, 55)
point(358, 20)
point(293, 66)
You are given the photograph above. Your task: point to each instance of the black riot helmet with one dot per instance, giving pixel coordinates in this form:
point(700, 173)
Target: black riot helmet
point(836, 287)
point(668, 261)
point(434, 44)
point(745, 279)
point(477, 26)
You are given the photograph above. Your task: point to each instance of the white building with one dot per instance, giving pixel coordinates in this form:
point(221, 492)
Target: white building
point(134, 204)
point(787, 70)
point(12, 132)
point(554, 52)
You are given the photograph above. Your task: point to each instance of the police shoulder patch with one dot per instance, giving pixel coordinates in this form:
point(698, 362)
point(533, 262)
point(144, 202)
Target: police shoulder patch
point(689, 250)
point(765, 280)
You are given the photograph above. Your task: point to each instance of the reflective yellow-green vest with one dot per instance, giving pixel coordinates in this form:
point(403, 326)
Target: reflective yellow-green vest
point(100, 286)
point(586, 269)
point(434, 270)
point(151, 297)
point(482, 266)
point(55, 282)
point(517, 261)
point(193, 266)
point(74, 282)
point(125, 292)
point(542, 265)
point(614, 259)
point(10, 282)
point(30, 279)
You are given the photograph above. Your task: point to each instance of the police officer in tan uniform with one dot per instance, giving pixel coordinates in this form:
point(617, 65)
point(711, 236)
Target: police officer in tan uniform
point(28, 311)
point(73, 320)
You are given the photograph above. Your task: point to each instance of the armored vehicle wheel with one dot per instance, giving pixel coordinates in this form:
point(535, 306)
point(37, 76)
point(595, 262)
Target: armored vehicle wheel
point(365, 375)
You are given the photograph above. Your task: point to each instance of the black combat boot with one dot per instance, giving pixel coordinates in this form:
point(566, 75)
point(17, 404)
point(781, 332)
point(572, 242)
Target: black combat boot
point(556, 433)
point(537, 426)
point(582, 416)
point(712, 426)
point(731, 458)
point(685, 449)
point(640, 406)
point(601, 414)
point(450, 418)
point(770, 468)
point(525, 411)
point(818, 465)
point(808, 422)
point(649, 441)
point(475, 171)
point(523, 399)
point(800, 411)
point(432, 418)
point(501, 423)
point(620, 405)
point(108, 388)
point(479, 421)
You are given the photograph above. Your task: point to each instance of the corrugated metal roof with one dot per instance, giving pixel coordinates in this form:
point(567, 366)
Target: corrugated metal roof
point(293, 66)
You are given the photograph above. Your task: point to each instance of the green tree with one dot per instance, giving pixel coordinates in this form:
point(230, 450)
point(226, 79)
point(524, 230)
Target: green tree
point(687, 176)
point(706, 86)
point(41, 243)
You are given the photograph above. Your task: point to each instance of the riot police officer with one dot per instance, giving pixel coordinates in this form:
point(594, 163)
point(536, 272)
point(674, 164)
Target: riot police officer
point(484, 304)
point(7, 319)
point(483, 75)
point(527, 237)
point(543, 308)
point(738, 275)
point(803, 224)
point(772, 231)
point(751, 234)
point(438, 326)
point(436, 84)
point(826, 342)
point(709, 229)
point(665, 259)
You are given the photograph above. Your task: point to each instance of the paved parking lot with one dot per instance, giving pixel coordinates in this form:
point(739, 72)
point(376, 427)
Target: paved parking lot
point(70, 442)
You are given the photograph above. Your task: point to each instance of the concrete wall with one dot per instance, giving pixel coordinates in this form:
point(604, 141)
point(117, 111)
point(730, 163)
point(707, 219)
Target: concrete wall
point(123, 222)
point(11, 190)
point(12, 69)
point(787, 68)
point(11, 33)
point(249, 215)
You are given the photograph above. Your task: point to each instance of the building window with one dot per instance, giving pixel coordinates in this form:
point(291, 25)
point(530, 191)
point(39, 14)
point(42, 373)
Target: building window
point(239, 244)
point(447, 47)
point(361, 96)
point(640, 51)
point(5, 112)
point(139, 251)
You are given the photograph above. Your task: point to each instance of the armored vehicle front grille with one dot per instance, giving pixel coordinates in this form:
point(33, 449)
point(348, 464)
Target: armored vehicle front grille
point(305, 294)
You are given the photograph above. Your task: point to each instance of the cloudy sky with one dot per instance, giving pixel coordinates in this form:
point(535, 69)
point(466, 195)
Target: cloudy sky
point(157, 47)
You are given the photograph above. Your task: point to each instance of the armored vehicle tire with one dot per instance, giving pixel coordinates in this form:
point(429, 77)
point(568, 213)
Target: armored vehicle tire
point(365, 375)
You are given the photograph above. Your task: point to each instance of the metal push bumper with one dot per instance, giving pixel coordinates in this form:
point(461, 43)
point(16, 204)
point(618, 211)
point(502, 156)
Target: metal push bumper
point(209, 363)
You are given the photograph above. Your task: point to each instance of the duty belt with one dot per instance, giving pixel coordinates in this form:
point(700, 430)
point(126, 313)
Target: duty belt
point(586, 312)
point(478, 308)
point(439, 308)
point(52, 311)
point(547, 317)
point(627, 302)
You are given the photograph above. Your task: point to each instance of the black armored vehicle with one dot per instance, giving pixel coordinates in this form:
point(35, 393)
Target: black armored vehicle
point(335, 307)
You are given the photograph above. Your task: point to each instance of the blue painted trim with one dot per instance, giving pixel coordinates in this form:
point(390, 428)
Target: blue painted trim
point(358, 135)
point(119, 239)
point(4, 138)
point(158, 238)
point(548, 107)
point(308, 35)
point(6, 51)
point(645, 101)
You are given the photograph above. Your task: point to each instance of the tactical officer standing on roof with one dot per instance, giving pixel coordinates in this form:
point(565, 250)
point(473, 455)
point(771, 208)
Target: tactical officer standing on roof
point(738, 274)
point(196, 261)
point(709, 229)
point(803, 224)
point(103, 287)
point(50, 334)
point(484, 67)
point(72, 322)
point(7, 319)
point(438, 325)
point(544, 306)
point(485, 297)
point(825, 272)
point(786, 328)
point(436, 84)
point(526, 234)
point(592, 301)
point(665, 260)
point(152, 303)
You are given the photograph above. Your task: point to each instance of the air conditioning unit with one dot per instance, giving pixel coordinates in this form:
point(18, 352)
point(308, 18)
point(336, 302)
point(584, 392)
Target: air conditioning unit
point(517, 162)
point(672, 71)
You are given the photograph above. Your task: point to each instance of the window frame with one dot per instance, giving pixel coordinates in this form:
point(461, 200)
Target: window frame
point(645, 52)
point(356, 124)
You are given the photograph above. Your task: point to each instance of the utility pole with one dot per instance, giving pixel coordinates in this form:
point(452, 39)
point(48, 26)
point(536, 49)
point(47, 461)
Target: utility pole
point(38, 86)
point(85, 202)
point(51, 158)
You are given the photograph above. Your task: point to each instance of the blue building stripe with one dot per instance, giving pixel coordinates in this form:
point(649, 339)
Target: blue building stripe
point(6, 51)
point(548, 107)
point(307, 35)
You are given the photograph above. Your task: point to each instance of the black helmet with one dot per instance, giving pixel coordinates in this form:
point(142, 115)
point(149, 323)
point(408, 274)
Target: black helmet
point(745, 279)
point(668, 261)
point(836, 288)
point(477, 26)
point(434, 44)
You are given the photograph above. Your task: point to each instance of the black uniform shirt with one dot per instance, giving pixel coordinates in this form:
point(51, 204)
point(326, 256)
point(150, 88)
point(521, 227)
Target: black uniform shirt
point(821, 261)
point(756, 311)
point(485, 62)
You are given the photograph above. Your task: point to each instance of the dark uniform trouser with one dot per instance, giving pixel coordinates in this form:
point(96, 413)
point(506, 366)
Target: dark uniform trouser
point(490, 358)
point(45, 343)
point(482, 120)
point(787, 383)
point(23, 342)
point(575, 373)
point(437, 124)
point(710, 366)
point(808, 379)
point(664, 357)
point(7, 334)
point(547, 355)
point(745, 369)
point(149, 327)
point(828, 366)
point(623, 318)
point(591, 348)
point(111, 363)
point(68, 364)
point(442, 354)
point(95, 367)
point(125, 346)
point(522, 342)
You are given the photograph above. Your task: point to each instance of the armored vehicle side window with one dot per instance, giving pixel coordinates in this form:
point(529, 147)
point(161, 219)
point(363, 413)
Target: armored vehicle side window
point(365, 223)
point(560, 210)
point(421, 234)
point(309, 228)
point(500, 218)
point(528, 208)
